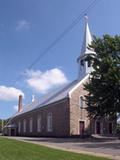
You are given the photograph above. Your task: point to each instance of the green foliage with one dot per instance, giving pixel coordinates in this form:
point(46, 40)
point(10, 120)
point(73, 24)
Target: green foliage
point(4, 123)
point(16, 150)
point(104, 86)
point(118, 129)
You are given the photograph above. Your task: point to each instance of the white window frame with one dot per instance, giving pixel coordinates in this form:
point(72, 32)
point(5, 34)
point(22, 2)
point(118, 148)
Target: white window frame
point(31, 125)
point(49, 122)
point(81, 102)
point(24, 126)
point(19, 127)
point(39, 124)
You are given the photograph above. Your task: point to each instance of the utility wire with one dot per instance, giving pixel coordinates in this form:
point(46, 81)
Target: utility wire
point(63, 34)
point(67, 30)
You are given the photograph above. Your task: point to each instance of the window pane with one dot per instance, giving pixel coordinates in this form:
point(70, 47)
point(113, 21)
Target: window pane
point(89, 63)
point(49, 122)
point(81, 102)
point(31, 125)
point(24, 126)
point(39, 124)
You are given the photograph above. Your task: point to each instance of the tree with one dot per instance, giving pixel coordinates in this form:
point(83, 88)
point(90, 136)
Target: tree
point(3, 122)
point(103, 88)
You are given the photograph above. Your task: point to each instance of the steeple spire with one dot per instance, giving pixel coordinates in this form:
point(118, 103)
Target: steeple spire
point(85, 67)
point(87, 40)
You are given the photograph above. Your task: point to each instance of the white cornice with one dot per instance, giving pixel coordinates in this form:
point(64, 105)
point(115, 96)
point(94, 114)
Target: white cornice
point(77, 85)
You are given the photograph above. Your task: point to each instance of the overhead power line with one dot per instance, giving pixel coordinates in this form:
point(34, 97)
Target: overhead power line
point(65, 32)
point(62, 35)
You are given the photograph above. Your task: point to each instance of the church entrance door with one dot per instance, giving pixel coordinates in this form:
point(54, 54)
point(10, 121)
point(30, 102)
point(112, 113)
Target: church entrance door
point(81, 127)
point(110, 128)
point(98, 128)
point(12, 132)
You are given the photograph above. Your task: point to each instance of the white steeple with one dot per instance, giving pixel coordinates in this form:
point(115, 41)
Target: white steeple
point(85, 66)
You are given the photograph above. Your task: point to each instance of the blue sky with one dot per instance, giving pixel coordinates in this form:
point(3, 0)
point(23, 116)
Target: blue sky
point(27, 28)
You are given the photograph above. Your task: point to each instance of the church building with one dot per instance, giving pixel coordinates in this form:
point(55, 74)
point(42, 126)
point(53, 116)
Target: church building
point(62, 113)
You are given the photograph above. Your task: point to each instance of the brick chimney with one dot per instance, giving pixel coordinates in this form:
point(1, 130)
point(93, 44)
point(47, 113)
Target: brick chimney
point(20, 107)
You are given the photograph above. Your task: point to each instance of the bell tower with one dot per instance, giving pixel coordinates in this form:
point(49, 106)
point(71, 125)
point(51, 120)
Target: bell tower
point(85, 65)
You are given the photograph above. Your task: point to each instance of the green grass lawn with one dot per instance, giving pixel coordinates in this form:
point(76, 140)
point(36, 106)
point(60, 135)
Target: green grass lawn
point(16, 150)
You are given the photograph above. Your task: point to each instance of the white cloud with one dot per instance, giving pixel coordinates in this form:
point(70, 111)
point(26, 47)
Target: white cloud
point(22, 24)
point(9, 93)
point(44, 81)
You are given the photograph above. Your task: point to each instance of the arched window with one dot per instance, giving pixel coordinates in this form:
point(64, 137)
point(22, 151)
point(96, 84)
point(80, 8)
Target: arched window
point(82, 62)
point(39, 123)
point(81, 102)
point(89, 63)
point(31, 124)
point(24, 126)
point(49, 122)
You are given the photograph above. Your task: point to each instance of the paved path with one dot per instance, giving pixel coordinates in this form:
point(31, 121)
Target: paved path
point(106, 147)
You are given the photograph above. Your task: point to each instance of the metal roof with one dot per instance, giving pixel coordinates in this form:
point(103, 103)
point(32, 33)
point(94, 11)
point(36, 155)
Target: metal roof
point(87, 40)
point(49, 98)
point(11, 126)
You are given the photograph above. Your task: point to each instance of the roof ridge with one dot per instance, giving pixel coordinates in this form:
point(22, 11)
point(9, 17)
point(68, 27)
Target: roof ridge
point(54, 97)
point(58, 92)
